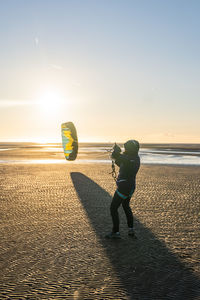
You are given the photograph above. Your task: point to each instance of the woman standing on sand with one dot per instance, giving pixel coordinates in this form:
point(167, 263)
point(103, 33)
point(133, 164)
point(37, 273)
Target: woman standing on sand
point(129, 164)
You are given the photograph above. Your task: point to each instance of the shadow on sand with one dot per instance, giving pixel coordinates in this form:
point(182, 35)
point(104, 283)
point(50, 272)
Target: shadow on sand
point(145, 267)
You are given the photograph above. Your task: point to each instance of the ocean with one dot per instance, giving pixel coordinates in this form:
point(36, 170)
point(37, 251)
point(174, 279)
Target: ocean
point(161, 154)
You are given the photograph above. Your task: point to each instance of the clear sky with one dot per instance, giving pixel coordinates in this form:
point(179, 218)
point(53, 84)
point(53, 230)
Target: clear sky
point(118, 69)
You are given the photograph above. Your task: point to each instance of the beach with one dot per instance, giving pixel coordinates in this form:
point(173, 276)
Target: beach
point(54, 217)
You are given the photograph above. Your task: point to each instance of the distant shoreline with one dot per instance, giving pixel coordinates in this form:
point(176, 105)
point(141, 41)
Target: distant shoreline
point(48, 153)
point(177, 146)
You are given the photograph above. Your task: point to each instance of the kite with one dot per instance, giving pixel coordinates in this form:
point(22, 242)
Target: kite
point(69, 140)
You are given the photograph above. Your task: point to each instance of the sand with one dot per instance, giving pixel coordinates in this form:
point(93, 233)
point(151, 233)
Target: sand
point(52, 226)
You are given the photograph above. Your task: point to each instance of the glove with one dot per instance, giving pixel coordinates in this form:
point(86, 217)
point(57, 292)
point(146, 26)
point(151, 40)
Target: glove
point(116, 151)
point(116, 148)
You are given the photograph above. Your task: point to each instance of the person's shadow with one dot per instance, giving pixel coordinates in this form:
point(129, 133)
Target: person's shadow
point(146, 267)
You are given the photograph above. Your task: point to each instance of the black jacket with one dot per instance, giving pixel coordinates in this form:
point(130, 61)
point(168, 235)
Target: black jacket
point(129, 165)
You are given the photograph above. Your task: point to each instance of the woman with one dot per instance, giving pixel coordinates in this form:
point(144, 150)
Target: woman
point(129, 164)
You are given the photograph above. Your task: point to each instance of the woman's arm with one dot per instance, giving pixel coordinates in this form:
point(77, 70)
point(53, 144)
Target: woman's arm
point(116, 155)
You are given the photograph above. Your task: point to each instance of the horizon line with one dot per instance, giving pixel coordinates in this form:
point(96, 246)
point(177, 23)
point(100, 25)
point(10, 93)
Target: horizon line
point(56, 141)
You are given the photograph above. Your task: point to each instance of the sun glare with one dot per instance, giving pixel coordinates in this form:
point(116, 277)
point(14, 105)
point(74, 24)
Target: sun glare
point(50, 102)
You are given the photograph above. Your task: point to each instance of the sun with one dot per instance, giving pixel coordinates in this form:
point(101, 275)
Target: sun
point(50, 102)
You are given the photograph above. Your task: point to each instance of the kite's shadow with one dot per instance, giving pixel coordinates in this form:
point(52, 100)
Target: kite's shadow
point(145, 267)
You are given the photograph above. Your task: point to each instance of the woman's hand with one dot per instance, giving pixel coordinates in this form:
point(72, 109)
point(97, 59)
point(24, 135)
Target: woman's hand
point(116, 148)
point(116, 151)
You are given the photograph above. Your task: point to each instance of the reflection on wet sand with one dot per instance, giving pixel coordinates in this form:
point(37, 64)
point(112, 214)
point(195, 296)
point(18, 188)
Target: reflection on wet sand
point(52, 154)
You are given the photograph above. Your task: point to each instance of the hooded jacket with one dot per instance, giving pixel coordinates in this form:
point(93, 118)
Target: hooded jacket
point(129, 165)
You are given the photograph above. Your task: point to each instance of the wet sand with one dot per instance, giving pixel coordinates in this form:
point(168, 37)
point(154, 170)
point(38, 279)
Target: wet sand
point(52, 226)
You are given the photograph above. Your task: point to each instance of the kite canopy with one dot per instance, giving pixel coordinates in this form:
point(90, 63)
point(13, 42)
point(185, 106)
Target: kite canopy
point(69, 140)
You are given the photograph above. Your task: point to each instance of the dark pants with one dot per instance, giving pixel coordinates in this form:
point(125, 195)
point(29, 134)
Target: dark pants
point(116, 202)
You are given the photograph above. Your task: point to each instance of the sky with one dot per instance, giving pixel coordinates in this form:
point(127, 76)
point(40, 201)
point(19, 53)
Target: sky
point(118, 69)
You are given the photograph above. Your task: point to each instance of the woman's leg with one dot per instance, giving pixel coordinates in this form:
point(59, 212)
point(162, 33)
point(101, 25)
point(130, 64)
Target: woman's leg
point(116, 201)
point(128, 211)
